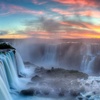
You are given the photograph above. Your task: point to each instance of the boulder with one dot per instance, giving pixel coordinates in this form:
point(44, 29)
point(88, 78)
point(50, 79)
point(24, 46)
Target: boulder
point(28, 92)
point(36, 78)
point(74, 93)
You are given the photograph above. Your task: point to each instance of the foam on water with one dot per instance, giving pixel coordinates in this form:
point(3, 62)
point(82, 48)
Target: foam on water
point(11, 65)
point(92, 88)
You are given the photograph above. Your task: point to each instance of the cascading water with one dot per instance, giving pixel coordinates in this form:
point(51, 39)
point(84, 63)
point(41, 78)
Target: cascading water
point(11, 65)
point(4, 93)
point(49, 58)
point(8, 74)
point(88, 60)
point(3, 75)
point(69, 55)
point(19, 63)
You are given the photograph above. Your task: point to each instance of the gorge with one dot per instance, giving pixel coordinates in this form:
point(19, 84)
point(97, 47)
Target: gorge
point(54, 72)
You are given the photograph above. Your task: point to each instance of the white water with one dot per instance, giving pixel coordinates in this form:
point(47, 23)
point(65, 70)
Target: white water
point(4, 93)
point(88, 60)
point(8, 75)
point(11, 65)
point(68, 55)
point(3, 75)
point(8, 68)
point(25, 72)
point(19, 63)
point(50, 55)
point(9, 78)
point(92, 88)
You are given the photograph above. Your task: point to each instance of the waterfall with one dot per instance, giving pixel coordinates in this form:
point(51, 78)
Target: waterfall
point(10, 62)
point(9, 68)
point(88, 60)
point(49, 57)
point(4, 93)
point(20, 64)
point(3, 75)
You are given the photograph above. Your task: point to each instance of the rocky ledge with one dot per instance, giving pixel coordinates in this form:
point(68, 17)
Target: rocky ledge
point(55, 82)
point(5, 47)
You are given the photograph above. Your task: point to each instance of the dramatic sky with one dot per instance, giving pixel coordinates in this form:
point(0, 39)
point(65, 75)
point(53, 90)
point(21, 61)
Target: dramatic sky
point(50, 18)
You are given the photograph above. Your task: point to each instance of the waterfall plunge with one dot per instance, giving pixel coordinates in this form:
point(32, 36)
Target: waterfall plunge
point(88, 60)
point(8, 67)
point(8, 73)
point(4, 94)
point(19, 62)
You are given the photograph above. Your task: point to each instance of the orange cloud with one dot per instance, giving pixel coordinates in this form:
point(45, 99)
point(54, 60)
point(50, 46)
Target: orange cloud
point(69, 12)
point(85, 35)
point(36, 34)
point(77, 25)
point(95, 28)
point(79, 2)
point(62, 12)
point(67, 29)
point(91, 13)
point(47, 35)
point(80, 30)
point(71, 1)
point(81, 25)
point(14, 36)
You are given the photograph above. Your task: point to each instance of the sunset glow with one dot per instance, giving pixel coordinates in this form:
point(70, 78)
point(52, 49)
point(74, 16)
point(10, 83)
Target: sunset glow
point(50, 19)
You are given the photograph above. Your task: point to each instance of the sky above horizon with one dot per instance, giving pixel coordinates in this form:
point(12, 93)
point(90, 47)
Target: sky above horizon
point(50, 19)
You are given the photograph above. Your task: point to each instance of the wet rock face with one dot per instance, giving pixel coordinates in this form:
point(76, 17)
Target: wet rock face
point(36, 78)
point(59, 72)
point(61, 81)
point(4, 45)
point(28, 92)
point(74, 93)
point(61, 93)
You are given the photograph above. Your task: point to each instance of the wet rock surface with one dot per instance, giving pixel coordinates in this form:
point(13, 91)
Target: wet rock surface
point(27, 92)
point(6, 45)
point(58, 72)
point(55, 82)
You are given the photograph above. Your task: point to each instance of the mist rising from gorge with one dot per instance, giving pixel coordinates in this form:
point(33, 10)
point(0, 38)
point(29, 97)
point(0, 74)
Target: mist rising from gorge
point(76, 54)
